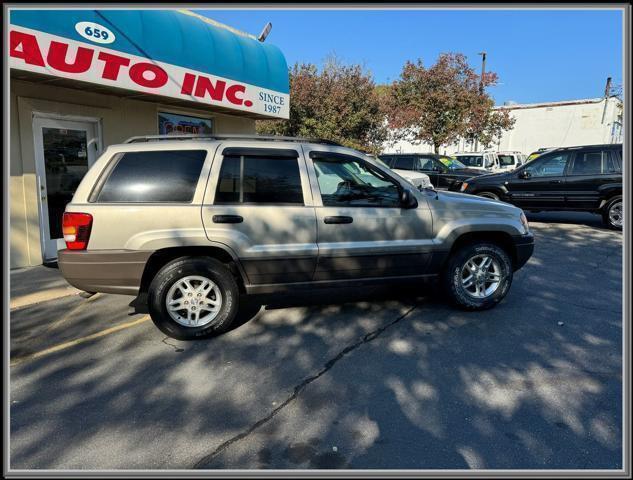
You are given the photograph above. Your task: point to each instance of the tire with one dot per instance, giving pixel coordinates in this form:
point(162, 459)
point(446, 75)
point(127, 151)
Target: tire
point(491, 195)
point(202, 273)
point(456, 271)
point(610, 213)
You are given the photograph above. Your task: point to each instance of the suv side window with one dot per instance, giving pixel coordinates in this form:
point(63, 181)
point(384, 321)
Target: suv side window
point(153, 176)
point(550, 166)
point(349, 181)
point(259, 180)
point(428, 164)
point(403, 163)
point(594, 163)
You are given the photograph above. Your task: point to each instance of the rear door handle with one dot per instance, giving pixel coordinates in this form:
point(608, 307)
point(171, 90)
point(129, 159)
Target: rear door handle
point(338, 219)
point(227, 219)
point(556, 181)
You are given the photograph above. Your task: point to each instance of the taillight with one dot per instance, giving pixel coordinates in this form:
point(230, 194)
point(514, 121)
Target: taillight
point(76, 228)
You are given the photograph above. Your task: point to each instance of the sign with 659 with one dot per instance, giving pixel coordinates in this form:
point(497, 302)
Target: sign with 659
point(95, 32)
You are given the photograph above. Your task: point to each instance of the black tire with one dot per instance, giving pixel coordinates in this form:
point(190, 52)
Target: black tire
point(452, 276)
point(182, 267)
point(606, 217)
point(490, 195)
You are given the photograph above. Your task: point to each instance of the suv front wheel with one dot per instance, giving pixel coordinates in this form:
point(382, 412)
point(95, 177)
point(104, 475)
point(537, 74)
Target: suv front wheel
point(193, 297)
point(478, 276)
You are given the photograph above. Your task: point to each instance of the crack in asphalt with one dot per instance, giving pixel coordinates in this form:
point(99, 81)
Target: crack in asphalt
point(176, 348)
point(368, 337)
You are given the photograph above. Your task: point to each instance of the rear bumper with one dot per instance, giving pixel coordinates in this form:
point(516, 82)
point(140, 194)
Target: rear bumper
point(107, 271)
point(524, 247)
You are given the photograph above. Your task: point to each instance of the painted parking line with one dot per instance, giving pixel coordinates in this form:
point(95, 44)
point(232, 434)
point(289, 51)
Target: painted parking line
point(72, 343)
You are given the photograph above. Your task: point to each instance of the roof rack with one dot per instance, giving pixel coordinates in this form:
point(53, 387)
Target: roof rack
point(269, 138)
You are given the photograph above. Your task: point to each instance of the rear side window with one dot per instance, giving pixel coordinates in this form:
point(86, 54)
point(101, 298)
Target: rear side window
point(594, 163)
point(156, 176)
point(256, 179)
point(403, 163)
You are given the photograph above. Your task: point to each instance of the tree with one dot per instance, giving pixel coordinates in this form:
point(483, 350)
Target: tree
point(443, 103)
point(338, 103)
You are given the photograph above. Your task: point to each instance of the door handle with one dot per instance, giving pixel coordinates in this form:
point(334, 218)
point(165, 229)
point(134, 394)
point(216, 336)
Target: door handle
point(338, 219)
point(556, 181)
point(227, 219)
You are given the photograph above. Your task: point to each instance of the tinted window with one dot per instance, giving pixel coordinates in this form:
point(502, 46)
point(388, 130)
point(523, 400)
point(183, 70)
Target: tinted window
point(158, 176)
point(265, 180)
point(550, 166)
point(593, 163)
point(472, 160)
point(344, 182)
point(403, 163)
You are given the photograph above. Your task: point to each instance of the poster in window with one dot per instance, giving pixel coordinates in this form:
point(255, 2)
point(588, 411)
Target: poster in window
point(174, 124)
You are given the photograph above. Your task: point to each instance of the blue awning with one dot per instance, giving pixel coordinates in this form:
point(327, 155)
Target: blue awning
point(174, 37)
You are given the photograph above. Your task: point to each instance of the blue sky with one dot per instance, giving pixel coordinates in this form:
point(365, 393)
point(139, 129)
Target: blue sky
point(539, 55)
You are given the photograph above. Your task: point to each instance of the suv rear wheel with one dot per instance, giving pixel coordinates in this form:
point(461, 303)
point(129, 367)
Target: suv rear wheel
point(612, 214)
point(193, 297)
point(478, 276)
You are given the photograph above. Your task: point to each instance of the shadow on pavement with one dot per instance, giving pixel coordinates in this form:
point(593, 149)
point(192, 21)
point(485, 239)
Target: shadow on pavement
point(435, 388)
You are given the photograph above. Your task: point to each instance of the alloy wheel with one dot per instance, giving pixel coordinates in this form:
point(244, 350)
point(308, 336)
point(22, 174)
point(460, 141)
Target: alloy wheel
point(481, 275)
point(194, 301)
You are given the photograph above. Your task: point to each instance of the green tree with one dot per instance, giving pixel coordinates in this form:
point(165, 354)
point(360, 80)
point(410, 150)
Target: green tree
point(443, 103)
point(338, 102)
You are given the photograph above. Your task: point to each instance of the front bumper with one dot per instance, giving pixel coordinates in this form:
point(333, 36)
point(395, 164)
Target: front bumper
point(524, 247)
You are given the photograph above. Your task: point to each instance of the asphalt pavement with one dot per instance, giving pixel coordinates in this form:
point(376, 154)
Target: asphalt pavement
point(390, 378)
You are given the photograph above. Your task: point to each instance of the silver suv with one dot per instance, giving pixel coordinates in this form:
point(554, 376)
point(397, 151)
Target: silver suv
point(192, 223)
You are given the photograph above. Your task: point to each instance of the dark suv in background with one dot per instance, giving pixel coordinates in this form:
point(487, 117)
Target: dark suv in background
point(445, 173)
point(587, 178)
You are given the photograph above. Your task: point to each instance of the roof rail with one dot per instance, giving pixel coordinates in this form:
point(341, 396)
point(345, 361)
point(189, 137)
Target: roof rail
point(269, 138)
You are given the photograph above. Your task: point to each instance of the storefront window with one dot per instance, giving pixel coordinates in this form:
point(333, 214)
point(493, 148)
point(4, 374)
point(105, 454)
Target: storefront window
point(175, 124)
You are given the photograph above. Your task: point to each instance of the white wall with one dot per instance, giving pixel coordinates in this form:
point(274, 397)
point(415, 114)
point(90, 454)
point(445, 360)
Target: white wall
point(562, 124)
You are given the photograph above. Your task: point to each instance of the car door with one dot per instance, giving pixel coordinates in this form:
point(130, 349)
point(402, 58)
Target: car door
point(590, 170)
point(259, 204)
point(540, 185)
point(363, 231)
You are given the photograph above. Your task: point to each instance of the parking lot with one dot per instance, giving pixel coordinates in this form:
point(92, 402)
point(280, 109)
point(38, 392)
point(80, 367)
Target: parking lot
point(359, 378)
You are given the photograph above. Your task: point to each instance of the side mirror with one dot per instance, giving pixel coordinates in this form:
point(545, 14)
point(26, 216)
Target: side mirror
point(407, 199)
point(525, 174)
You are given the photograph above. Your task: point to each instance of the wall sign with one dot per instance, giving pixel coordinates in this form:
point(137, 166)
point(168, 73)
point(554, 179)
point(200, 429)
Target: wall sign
point(175, 124)
point(41, 52)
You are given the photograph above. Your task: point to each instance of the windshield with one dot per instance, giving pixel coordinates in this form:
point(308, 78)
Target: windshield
point(506, 160)
point(452, 163)
point(472, 160)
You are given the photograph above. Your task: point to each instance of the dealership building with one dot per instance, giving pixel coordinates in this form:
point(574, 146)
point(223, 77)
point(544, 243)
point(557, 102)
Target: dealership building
point(81, 80)
point(544, 125)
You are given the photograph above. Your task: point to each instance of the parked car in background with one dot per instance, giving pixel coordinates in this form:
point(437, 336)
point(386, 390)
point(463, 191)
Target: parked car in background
point(509, 161)
point(537, 153)
point(587, 178)
point(446, 173)
point(191, 224)
point(418, 179)
point(484, 161)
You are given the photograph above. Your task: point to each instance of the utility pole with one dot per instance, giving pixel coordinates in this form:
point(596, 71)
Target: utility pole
point(483, 70)
point(607, 88)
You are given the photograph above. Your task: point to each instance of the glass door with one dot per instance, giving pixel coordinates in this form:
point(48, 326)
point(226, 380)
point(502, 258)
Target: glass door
point(64, 150)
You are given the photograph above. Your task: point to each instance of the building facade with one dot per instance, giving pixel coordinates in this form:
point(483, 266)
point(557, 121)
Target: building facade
point(543, 125)
point(81, 80)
